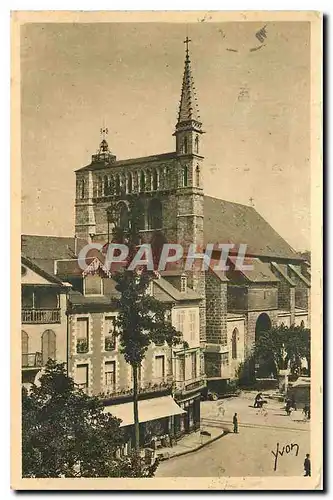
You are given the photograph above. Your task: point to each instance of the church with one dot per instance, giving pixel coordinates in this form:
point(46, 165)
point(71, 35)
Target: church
point(235, 305)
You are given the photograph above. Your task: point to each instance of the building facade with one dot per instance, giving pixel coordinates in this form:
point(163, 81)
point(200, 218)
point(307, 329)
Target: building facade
point(43, 319)
point(235, 305)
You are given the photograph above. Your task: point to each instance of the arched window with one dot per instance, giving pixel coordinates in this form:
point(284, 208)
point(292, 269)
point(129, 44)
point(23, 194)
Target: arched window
point(130, 183)
point(82, 188)
point(24, 342)
point(185, 176)
point(106, 185)
point(48, 345)
point(155, 214)
point(142, 181)
point(234, 339)
point(197, 176)
point(185, 145)
point(148, 180)
point(117, 184)
point(155, 180)
point(99, 187)
point(123, 216)
point(302, 324)
point(196, 144)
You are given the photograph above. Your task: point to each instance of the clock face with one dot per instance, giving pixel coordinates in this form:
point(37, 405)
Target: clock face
point(23, 271)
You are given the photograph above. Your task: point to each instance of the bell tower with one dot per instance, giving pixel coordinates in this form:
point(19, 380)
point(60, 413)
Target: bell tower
point(190, 195)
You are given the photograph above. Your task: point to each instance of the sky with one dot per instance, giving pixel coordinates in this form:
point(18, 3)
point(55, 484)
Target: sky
point(254, 105)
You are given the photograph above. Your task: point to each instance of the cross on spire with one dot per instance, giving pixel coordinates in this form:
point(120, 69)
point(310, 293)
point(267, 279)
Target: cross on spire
point(104, 132)
point(187, 41)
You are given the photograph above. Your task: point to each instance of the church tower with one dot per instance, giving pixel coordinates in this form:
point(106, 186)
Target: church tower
point(188, 135)
point(190, 195)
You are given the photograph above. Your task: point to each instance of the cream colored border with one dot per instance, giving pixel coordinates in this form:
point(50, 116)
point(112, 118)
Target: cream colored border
point(245, 483)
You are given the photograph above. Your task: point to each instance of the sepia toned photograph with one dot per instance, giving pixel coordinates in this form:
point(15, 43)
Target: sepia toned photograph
point(166, 210)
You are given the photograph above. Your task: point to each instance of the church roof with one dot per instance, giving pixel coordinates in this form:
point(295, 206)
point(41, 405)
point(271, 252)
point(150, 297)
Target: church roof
point(131, 161)
point(228, 222)
point(188, 107)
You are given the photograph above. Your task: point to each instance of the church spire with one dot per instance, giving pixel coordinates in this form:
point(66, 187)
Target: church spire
point(188, 108)
point(188, 127)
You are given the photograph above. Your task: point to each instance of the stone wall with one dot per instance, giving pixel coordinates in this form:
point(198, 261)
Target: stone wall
point(216, 309)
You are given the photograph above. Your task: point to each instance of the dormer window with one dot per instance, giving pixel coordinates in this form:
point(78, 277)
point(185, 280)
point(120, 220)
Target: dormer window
point(183, 284)
point(93, 285)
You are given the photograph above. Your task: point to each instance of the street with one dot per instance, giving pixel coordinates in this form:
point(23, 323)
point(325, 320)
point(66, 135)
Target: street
point(266, 441)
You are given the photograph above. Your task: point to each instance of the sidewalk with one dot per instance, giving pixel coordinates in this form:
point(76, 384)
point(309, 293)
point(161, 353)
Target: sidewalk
point(192, 442)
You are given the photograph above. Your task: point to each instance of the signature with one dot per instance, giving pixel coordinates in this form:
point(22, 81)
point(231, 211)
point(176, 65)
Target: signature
point(286, 449)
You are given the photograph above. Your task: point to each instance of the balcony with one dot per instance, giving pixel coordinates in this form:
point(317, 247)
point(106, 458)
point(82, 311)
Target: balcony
point(153, 385)
point(32, 360)
point(40, 316)
point(82, 346)
point(190, 384)
point(110, 343)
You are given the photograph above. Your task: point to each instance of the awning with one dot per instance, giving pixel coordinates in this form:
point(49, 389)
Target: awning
point(149, 409)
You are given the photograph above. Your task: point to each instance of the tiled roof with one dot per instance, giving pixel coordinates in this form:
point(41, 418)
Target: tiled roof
point(260, 272)
point(50, 247)
point(130, 161)
point(37, 269)
point(228, 222)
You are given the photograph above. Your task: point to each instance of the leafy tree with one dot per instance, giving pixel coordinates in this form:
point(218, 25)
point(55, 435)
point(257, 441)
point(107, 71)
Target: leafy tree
point(66, 434)
point(283, 347)
point(142, 320)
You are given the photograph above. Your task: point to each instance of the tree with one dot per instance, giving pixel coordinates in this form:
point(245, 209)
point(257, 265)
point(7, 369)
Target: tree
point(284, 347)
point(142, 320)
point(66, 434)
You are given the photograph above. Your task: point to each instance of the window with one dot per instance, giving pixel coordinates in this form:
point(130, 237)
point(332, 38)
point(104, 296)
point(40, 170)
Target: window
point(110, 375)
point(197, 176)
point(130, 183)
point(93, 285)
point(181, 368)
point(24, 342)
point(155, 214)
point(234, 344)
point(142, 181)
point(123, 216)
point(180, 320)
point(155, 180)
point(110, 333)
point(192, 325)
point(185, 145)
point(185, 176)
point(48, 346)
point(183, 284)
point(82, 339)
point(82, 188)
point(81, 376)
point(148, 181)
point(159, 368)
point(99, 187)
point(225, 359)
point(27, 297)
point(194, 364)
point(106, 185)
point(302, 324)
point(117, 184)
point(196, 144)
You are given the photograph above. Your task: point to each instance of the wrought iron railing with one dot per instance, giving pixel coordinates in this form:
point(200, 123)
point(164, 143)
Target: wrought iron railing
point(110, 343)
point(153, 385)
point(32, 360)
point(40, 316)
point(82, 346)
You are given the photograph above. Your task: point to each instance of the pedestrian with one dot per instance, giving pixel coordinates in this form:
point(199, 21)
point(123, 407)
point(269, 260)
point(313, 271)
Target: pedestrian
point(235, 422)
point(307, 465)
